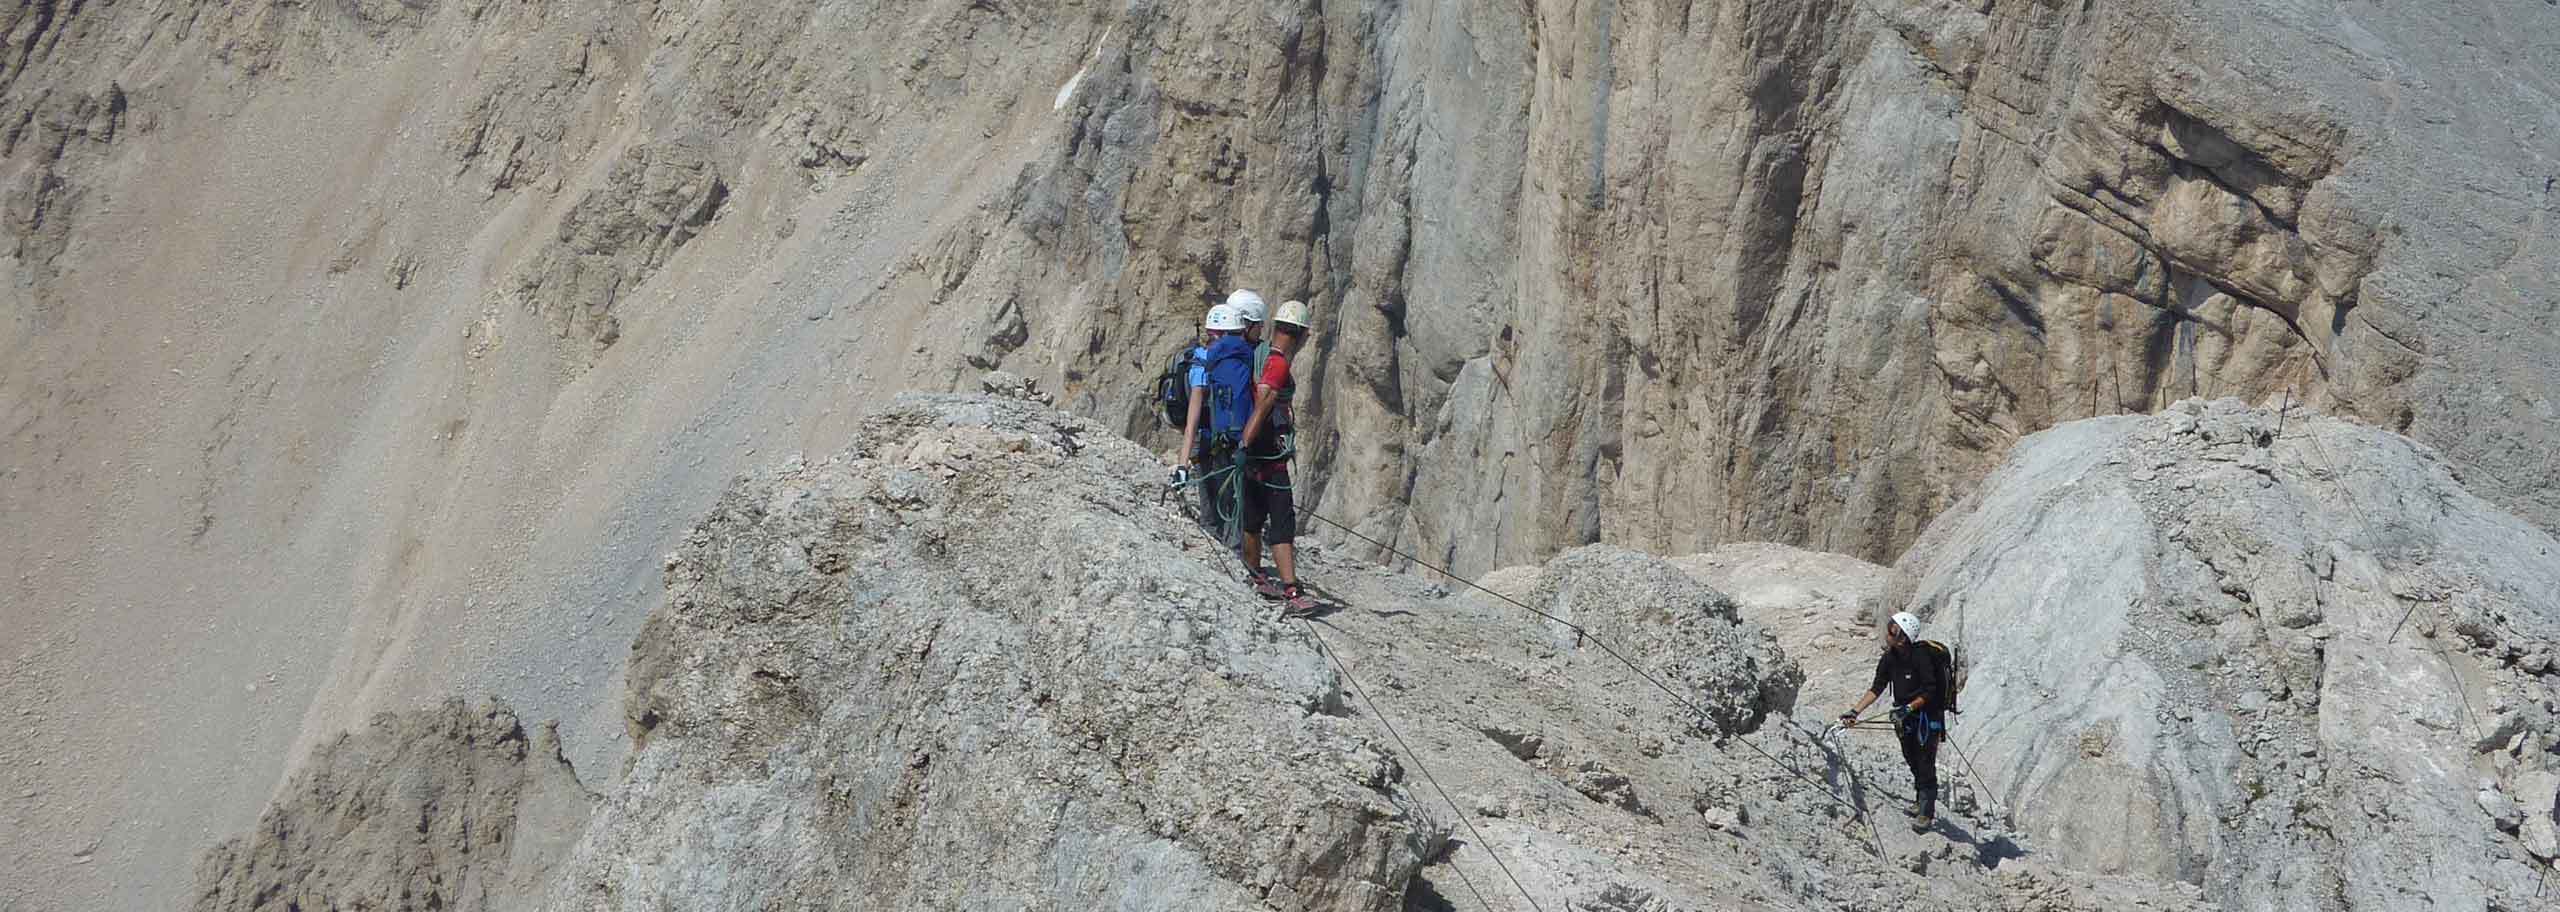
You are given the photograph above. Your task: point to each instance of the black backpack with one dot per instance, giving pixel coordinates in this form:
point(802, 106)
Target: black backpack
point(1173, 387)
point(1955, 672)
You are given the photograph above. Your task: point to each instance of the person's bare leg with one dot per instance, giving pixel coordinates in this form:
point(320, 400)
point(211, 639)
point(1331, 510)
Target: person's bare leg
point(1286, 555)
point(1253, 555)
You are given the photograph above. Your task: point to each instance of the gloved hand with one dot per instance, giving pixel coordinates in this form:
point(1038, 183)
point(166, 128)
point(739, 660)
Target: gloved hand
point(1849, 718)
point(1243, 459)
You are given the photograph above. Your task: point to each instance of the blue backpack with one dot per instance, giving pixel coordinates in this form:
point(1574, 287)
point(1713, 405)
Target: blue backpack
point(1230, 402)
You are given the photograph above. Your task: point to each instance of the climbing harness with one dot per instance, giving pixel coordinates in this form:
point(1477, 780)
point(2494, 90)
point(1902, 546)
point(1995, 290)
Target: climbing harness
point(1225, 484)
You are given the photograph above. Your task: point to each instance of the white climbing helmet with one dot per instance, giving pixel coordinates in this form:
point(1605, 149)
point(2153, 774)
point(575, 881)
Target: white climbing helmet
point(1223, 318)
point(1293, 313)
point(1909, 623)
point(1247, 304)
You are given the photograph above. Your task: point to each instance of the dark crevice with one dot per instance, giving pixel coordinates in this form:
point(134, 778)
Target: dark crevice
point(2019, 307)
point(2159, 345)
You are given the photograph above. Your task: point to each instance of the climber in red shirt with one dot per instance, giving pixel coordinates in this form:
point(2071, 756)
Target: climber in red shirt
point(1269, 513)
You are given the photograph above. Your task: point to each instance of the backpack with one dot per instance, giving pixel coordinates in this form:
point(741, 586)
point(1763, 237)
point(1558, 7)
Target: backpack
point(1230, 386)
point(1955, 673)
point(1173, 387)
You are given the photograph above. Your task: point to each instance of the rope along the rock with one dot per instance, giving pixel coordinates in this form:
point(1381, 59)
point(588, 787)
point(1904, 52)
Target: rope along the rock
point(1579, 630)
point(1227, 482)
point(1980, 784)
point(2470, 719)
point(1857, 781)
point(2320, 451)
point(1344, 668)
point(1363, 692)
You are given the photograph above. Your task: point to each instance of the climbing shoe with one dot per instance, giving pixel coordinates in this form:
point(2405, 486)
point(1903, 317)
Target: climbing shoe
point(1269, 587)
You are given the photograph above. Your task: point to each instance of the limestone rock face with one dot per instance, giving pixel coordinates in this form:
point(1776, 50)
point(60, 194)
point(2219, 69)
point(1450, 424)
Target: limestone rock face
point(972, 663)
point(2271, 653)
point(455, 807)
point(1668, 277)
point(378, 325)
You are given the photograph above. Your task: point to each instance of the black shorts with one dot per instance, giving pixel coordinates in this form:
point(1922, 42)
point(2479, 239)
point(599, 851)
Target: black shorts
point(1268, 508)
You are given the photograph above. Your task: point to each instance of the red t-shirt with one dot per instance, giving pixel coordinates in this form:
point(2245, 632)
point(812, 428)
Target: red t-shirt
point(1275, 372)
point(1275, 375)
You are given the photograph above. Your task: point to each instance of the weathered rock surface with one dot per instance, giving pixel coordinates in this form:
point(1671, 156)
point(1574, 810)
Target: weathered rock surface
point(1683, 634)
point(863, 691)
point(368, 328)
point(456, 807)
point(1591, 788)
point(1673, 276)
point(973, 663)
point(2279, 655)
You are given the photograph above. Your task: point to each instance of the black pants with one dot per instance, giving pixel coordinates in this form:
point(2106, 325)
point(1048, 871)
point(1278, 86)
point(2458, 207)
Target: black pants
point(1213, 505)
point(1920, 734)
point(1269, 510)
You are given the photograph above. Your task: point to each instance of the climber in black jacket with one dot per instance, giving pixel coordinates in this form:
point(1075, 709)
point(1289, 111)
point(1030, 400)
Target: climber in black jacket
point(1921, 674)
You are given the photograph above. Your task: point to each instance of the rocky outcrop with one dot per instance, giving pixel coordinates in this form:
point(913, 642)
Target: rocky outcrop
point(390, 287)
point(862, 690)
point(974, 661)
point(1682, 634)
point(2285, 656)
point(654, 200)
point(456, 807)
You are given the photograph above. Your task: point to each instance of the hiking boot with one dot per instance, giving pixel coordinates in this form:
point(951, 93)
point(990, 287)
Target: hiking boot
point(1269, 587)
point(1925, 813)
point(1297, 601)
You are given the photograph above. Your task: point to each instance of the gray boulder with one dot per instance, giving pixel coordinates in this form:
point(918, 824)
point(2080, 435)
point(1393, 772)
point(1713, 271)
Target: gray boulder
point(2256, 650)
point(1681, 632)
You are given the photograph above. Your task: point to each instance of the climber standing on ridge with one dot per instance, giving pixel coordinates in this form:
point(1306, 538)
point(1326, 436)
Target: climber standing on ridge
point(1227, 397)
point(1263, 450)
point(1922, 674)
point(1223, 321)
